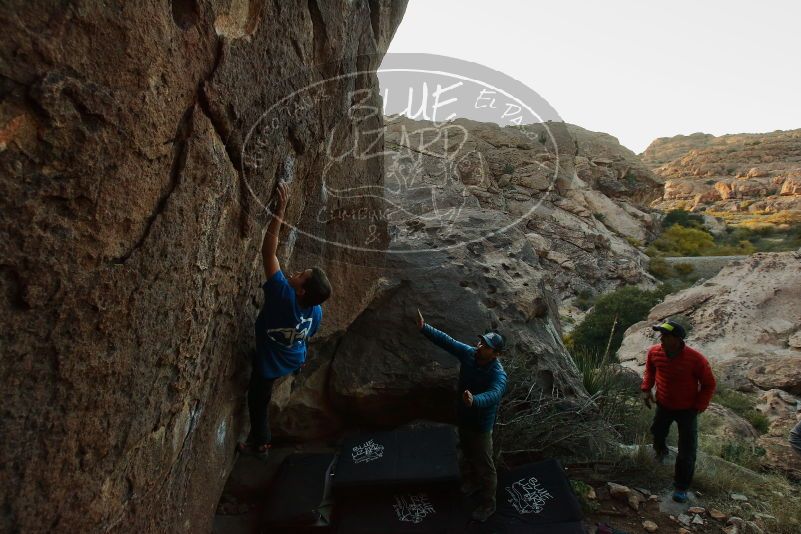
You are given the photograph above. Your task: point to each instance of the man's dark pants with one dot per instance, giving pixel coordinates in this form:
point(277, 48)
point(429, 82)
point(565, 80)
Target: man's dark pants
point(260, 392)
point(687, 422)
point(476, 463)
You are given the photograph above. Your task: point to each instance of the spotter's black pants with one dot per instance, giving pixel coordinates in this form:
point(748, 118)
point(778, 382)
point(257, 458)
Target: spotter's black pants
point(687, 423)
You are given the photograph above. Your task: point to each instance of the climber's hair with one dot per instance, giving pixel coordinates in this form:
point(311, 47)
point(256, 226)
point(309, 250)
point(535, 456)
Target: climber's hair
point(317, 288)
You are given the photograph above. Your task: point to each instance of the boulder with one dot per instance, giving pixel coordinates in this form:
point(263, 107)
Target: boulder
point(791, 186)
point(779, 373)
point(398, 375)
point(723, 423)
point(783, 410)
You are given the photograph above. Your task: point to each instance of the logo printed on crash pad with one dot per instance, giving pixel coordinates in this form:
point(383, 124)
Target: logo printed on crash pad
point(367, 452)
point(527, 496)
point(412, 508)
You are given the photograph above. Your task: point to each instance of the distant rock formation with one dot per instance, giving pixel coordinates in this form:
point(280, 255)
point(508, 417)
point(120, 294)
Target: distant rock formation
point(130, 231)
point(751, 173)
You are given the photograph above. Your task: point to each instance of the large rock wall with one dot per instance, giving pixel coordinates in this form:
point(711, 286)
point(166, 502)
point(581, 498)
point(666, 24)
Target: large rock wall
point(130, 226)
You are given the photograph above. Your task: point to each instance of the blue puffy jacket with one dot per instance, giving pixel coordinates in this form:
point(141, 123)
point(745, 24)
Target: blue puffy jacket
point(487, 383)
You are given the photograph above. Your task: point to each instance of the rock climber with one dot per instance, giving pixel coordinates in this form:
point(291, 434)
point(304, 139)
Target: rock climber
point(290, 315)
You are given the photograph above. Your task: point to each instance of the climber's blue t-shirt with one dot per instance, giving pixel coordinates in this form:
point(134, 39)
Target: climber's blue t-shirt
point(282, 329)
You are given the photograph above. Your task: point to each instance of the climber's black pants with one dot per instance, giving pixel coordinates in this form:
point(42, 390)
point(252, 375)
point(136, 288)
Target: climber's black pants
point(687, 423)
point(259, 393)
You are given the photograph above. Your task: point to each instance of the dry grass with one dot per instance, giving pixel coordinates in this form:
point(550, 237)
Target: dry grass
point(774, 502)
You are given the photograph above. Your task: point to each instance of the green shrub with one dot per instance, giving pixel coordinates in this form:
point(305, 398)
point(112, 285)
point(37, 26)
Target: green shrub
point(628, 304)
point(584, 299)
point(581, 489)
point(631, 178)
point(743, 405)
point(683, 269)
point(660, 268)
point(597, 375)
point(741, 452)
point(508, 168)
point(759, 421)
point(679, 240)
point(684, 218)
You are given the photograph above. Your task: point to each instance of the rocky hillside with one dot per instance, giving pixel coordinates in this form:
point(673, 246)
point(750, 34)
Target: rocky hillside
point(136, 162)
point(747, 321)
point(746, 173)
point(579, 196)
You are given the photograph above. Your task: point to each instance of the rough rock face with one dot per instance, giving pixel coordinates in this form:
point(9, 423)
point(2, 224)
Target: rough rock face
point(746, 320)
point(752, 173)
point(727, 425)
point(580, 207)
point(783, 412)
point(606, 165)
point(131, 194)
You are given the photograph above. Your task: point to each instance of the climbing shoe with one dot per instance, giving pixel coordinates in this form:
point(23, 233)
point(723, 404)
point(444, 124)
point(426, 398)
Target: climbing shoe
point(680, 496)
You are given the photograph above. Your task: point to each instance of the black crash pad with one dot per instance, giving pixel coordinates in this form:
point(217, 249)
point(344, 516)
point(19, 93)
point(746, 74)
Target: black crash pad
point(412, 510)
point(412, 458)
point(534, 499)
point(299, 496)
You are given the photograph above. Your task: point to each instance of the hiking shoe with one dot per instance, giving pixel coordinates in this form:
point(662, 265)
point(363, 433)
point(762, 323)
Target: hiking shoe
point(680, 496)
point(482, 513)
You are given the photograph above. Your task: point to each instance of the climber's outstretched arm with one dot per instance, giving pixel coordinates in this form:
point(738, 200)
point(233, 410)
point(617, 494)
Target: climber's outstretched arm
point(269, 246)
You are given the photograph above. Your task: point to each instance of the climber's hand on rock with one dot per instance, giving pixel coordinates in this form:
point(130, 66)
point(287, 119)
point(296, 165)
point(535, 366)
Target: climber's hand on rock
point(420, 321)
point(283, 197)
point(467, 397)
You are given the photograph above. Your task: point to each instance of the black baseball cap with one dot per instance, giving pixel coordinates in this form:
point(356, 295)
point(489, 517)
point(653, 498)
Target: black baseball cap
point(493, 340)
point(671, 328)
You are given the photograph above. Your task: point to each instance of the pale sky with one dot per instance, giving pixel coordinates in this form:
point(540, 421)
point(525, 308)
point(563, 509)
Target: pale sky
point(635, 69)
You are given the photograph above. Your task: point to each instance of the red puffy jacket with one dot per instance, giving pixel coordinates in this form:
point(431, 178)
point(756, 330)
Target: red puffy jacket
point(683, 382)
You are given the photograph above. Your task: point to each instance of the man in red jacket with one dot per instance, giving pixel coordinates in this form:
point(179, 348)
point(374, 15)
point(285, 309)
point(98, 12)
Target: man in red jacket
point(684, 387)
